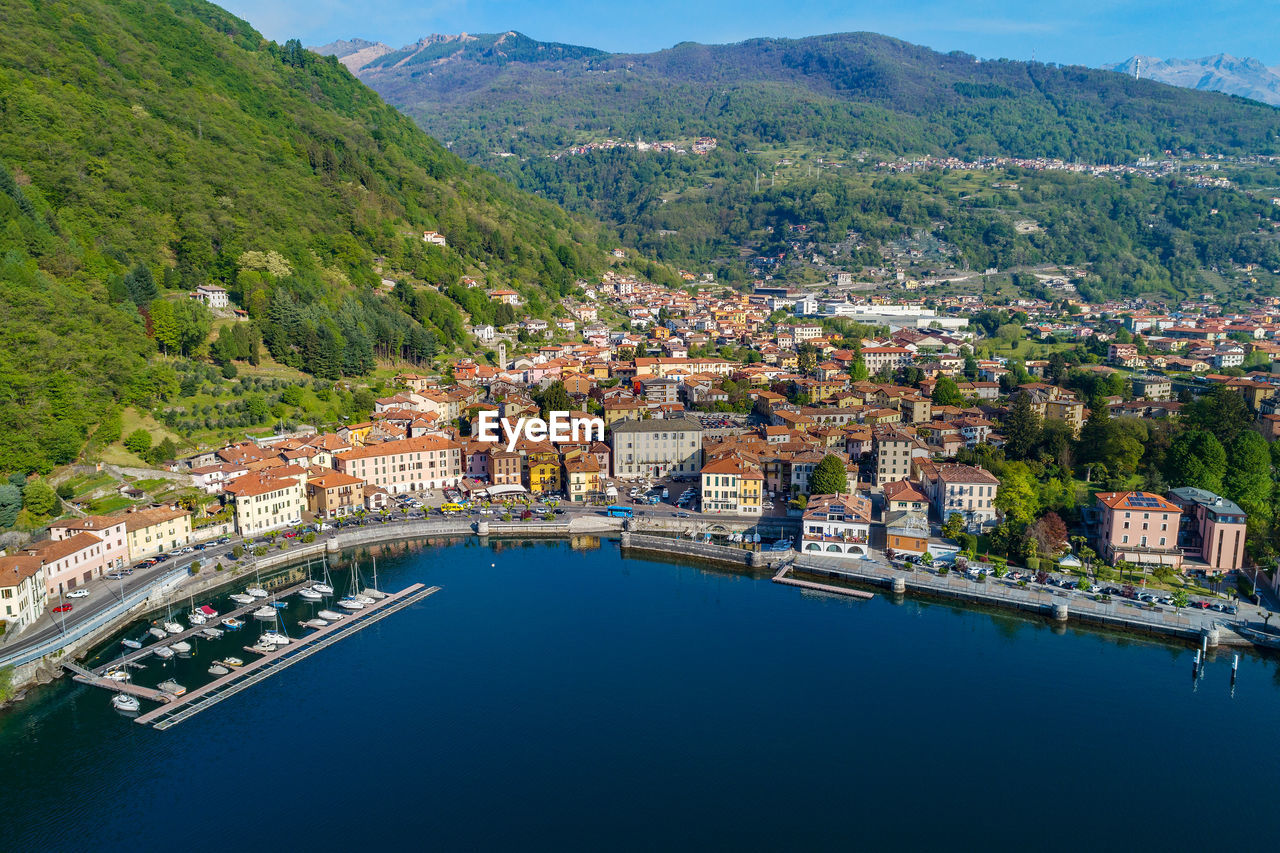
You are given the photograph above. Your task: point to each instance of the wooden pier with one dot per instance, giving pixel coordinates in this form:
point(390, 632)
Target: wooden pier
point(783, 577)
point(195, 701)
point(85, 676)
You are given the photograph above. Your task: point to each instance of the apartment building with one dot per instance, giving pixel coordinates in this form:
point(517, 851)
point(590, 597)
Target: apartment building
point(890, 456)
point(656, 448)
point(966, 490)
point(732, 485)
point(1140, 527)
point(154, 531)
point(837, 526)
point(263, 501)
point(333, 494)
point(1211, 527)
point(23, 594)
point(405, 465)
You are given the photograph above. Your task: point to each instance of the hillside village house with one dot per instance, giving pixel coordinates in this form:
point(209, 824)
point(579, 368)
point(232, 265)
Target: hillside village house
point(23, 595)
point(837, 526)
point(213, 296)
point(656, 448)
point(406, 465)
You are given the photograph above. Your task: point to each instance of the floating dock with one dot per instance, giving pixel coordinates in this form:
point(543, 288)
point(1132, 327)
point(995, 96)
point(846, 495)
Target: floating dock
point(184, 707)
point(85, 676)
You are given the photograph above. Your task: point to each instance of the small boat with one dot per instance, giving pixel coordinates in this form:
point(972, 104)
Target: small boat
point(314, 623)
point(241, 598)
point(279, 605)
point(171, 686)
point(218, 669)
point(196, 618)
point(206, 611)
point(232, 662)
point(158, 633)
point(266, 611)
point(351, 604)
point(117, 674)
point(275, 638)
point(331, 615)
point(172, 627)
point(309, 595)
point(262, 647)
point(125, 702)
point(131, 644)
point(182, 647)
point(366, 600)
point(232, 624)
point(163, 652)
point(372, 595)
point(257, 592)
point(322, 588)
point(213, 633)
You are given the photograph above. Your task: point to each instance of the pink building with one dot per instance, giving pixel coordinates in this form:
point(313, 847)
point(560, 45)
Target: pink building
point(1140, 527)
point(1212, 527)
point(69, 562)
point(111, 529)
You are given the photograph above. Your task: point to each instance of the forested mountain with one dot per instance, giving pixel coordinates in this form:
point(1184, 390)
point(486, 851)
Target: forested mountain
point(850, 89)
point(800, 126)
point(1232, 75)
point(148, 147)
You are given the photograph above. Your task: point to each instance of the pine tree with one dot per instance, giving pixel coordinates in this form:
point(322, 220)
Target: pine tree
point(1021, 428)
point(829, 476)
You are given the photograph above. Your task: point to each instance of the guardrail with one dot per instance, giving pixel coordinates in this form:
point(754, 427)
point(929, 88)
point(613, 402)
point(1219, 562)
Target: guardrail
point(83, 629)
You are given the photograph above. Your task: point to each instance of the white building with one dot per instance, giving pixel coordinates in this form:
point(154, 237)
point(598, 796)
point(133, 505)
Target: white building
point(837, 526)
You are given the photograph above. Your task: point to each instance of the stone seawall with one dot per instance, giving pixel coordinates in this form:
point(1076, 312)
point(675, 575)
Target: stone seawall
point(703, 550)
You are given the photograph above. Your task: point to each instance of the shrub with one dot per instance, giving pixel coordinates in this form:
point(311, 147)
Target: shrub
point(237, 552)
point(1033, 563)
point(309, 537)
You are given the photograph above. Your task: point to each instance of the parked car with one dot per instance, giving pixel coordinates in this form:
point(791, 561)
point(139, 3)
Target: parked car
point(62, 608)
point(78, 593)
point(682, 515)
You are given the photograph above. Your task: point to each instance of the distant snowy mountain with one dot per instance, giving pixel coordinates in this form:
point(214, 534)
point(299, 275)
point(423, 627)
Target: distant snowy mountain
point(1232, 75)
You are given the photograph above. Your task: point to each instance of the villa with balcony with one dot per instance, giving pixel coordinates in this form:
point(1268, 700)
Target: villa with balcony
point(837, 526)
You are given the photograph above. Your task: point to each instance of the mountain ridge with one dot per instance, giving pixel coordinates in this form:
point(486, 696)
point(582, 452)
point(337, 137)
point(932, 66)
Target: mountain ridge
point(1245, 77)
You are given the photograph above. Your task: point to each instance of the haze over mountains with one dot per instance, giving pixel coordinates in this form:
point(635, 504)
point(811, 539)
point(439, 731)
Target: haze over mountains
point(1221, 72)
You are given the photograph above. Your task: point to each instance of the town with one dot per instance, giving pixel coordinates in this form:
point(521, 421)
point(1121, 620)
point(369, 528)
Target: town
point(1128, 439)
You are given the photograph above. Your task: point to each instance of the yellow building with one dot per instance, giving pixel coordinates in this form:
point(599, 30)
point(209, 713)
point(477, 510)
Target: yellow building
point(154, 531)
point(542, 470)
point(582, 477)
point(733, 485)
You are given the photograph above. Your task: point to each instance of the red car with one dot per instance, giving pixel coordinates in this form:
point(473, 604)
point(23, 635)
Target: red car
point(62, 608)
point(289, 534)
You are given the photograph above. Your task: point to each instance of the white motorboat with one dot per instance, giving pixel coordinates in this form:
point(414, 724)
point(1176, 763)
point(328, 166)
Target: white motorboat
point(331, 615)
point(232, 624)
point(158, 633)
point(257, 592)
point(172, 627)
point(232, 662)
point(351, 604)
point(369, 596)
point(125, 702)
point(322, 588)
point(241, 598)
point(131, 644)
point(309, 595)
point(182, 647)
point(275, 638)
point(218, 669)
point(117, 674)
point(213, 633)
point(171, 686)
point(262, 647)
point(196, 618)
point(314, 623)
point(163, 652)
point(265, 612)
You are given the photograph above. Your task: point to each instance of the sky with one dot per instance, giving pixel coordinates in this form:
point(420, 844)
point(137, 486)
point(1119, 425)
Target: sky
point(1087, 32)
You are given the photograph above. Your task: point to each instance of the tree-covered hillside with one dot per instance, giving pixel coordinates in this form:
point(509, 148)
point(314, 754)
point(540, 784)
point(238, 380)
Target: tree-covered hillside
point(851, 89)
point(148, 147)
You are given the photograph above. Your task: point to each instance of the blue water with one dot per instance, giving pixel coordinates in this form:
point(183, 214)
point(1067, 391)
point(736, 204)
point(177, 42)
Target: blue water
point(548, 698)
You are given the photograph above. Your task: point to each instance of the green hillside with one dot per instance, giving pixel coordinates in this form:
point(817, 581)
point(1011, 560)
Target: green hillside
point(148, 147)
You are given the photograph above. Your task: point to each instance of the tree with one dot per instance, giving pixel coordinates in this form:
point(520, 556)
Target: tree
point(38, 498)
point(1021, 428)
point(10, 504)
point(1220, 411)
point(1248, 477)
point(953, 526)
point(829, 476)
point(947, 393)
point(141, 285)
point(858, 370)
point(1196, 458)
point(806, 359)
point(553, 398)
point(1050, 531)
point(1016, 497)
point(1179, 598)
point(138, 442)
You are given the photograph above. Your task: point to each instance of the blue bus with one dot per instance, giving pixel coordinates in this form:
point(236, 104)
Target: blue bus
point(620, 512)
